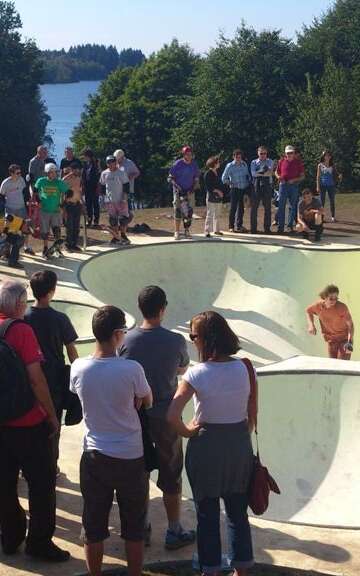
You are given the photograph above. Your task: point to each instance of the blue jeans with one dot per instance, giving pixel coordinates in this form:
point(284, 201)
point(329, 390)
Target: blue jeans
point(331, 192)
point(287, 192)
point(208, 532)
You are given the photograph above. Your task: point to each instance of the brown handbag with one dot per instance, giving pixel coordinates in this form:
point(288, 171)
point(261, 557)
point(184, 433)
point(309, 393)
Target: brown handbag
point(261, 482)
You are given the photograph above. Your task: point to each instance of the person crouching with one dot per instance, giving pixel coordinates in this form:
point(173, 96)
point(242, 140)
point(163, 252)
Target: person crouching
point(310, 215)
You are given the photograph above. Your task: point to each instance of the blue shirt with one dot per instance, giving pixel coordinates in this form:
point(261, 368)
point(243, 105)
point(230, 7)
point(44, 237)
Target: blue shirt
point(185, 174)
point(258, 165)
point(236, 175)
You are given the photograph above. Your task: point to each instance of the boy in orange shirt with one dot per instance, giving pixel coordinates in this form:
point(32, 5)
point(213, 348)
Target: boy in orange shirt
point(336, 323)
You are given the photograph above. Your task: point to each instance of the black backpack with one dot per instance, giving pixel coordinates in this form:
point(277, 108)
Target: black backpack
point(16, 395)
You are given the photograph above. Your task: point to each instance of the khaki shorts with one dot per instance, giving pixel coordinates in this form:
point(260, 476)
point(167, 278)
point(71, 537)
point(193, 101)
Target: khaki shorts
point(168, 445)
point(100, 476)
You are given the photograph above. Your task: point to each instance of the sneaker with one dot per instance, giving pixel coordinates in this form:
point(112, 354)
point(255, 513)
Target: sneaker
point(290, 229)
point(187, 233)
point(114, 241)
point(242, 230)
point(124, 239)
point(147, 536)
point(208, 235)
point(175, 541)
point(29, 250)
point(231, 230)
point(177, 236)
point(218, 234)
point(49, 553)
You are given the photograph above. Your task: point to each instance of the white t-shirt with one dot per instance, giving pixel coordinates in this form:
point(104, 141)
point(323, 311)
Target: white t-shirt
point(13, 192)
point(222, 391)
point(113, 180)
point(107, 388)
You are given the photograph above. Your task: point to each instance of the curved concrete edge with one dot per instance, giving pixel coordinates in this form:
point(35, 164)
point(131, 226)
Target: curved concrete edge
point(301, 364)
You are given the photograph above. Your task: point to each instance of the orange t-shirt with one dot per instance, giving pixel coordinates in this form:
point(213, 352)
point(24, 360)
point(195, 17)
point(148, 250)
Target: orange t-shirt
point(332, 320)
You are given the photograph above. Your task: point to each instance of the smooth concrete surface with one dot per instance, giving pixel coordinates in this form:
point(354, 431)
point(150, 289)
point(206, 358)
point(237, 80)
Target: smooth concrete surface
point(186, 278)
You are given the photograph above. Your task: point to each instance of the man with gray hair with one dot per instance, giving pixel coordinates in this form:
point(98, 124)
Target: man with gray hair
point(132, 172)
point(25, 442)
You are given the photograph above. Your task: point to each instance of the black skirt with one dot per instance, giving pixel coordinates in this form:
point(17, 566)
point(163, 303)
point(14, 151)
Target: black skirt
point(219, 460)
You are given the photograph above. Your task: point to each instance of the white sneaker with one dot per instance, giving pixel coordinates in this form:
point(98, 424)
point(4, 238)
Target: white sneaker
point(177, 236)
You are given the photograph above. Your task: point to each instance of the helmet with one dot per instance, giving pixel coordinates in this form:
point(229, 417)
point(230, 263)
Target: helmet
point(49, 167)
point(110, 159)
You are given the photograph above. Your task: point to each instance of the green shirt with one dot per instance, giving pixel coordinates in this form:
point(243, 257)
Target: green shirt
point(50, 192)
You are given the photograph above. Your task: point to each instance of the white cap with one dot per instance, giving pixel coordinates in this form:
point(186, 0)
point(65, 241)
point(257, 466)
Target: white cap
point(119, 153)
point(49, 167)
point(289, 149)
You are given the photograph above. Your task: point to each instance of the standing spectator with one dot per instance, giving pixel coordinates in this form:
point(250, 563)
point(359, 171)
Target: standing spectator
point(25, 444)
point(110, 389)
point(132, 172)
point(310, 215)
point(262, 169)
point(13, 189)
point(51, 190)
point(290, 172)
point(184, 176)
point(219, 458)
point(326, 177)
point(73, 207)
point(116, 184)
point(336, 323)
point(37, 164)
point(214, 196)
point(237, 176)
point(68, 160)
point(54, 331)
point(163, 355)
point(90, 182)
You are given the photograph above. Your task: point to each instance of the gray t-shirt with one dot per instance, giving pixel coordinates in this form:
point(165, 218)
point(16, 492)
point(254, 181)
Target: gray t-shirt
point(36, 168)
point(160, 352)
point(114, 183)
point(13, 192)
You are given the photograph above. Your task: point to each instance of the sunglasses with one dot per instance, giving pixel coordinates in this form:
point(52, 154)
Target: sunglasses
point(193, 337)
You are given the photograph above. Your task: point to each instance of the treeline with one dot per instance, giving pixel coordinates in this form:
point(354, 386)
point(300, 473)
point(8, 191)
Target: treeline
point(255, 88)
point(86, 62)
point(23, 117)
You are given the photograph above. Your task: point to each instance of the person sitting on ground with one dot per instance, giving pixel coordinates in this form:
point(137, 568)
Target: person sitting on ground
point(51, 190)
point(219, 457)
point(214, 195)
point(13, 189)
point(262, 170)
point(73, 206)
point(116, 185)
point(163, 355)
point(184, 176)
point(237, 176)
point(110, 390)
point(310, 215)
point(25, 444)
point(336, 323)
point(54, 331)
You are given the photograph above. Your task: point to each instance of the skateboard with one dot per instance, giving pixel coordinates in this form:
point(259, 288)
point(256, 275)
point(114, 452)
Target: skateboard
point(55, 249)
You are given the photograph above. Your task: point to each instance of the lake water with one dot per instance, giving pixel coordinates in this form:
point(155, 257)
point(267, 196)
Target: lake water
point(65, 103)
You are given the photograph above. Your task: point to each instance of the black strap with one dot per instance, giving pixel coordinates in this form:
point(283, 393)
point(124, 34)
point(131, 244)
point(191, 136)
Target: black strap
point(4, 326)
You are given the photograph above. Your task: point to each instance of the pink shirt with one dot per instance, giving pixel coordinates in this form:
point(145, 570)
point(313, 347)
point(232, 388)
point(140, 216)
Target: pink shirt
point(290, 169)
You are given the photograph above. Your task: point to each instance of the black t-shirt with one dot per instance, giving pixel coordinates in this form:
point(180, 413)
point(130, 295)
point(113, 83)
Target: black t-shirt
point(53, 330)
point(212, 181)
point(65, 163)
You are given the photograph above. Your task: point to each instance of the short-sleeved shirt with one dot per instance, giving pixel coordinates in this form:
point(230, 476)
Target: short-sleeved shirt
point(107, 388)
point(22, 339)
point(304, 209)
point(290, 169)
point(50, 192)
point(53, 330)
point(332, 320)
point(185, 173)
point(36, 168)
point(160, 352)
point(114, 181)
point(222, 391)
point(13, 192)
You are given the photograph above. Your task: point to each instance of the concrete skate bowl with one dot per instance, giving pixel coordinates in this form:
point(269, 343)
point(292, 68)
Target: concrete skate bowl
point(262, 290)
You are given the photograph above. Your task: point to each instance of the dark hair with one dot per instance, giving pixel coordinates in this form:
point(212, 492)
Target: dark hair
point(212, 161)
point(151, 300)
point(74, 166)
point(307, 191)
point(42, 283)
point(105, 321)
point(88, 152)
point(13, 168)
point(329, 289)
point(215, 335)
point(262, 147)
point(238, 151)
point(322, 158)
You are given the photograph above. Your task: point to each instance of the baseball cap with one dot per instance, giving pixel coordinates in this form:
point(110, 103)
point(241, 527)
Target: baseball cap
point(49, 167)
point(186, 149)
point(110, 159)
point(289, 149)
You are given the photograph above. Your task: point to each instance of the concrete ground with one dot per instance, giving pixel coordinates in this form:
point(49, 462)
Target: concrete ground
point(330, 551)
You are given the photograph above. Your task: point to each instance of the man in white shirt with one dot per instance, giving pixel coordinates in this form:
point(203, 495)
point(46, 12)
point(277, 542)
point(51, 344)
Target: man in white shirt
point(110, 391)
point(132, 172)
point(116, 184)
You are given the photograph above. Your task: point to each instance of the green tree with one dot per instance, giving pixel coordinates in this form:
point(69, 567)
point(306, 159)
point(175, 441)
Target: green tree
point(23, 117)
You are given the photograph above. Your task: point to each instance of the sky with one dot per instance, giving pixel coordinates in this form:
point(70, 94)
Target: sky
point(148, 24)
